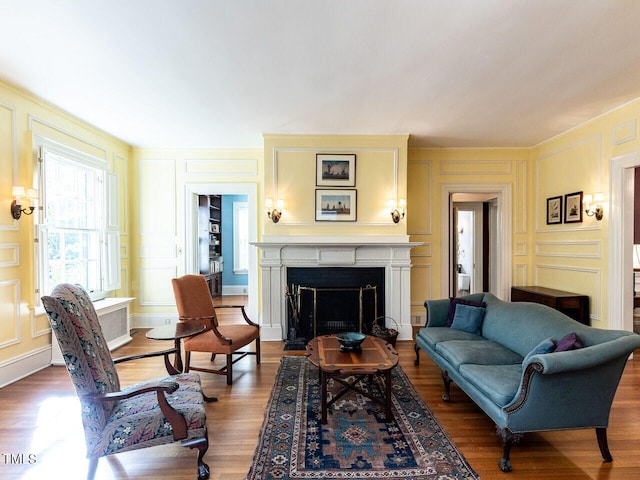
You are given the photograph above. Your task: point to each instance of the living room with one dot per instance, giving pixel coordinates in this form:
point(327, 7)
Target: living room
point(156, 185)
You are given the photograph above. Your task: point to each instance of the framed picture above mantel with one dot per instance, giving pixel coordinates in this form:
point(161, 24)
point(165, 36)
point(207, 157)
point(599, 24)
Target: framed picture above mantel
point(335, 170)
point(335, 205)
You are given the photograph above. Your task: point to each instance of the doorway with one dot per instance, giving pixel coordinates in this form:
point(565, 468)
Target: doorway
point(621, 221)
point(192, 191)
point(473, 236)
point(492, 238)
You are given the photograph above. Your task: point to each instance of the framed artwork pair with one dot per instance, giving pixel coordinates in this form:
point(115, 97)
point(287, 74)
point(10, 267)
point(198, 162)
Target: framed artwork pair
point(335, 204)
point(569, 212)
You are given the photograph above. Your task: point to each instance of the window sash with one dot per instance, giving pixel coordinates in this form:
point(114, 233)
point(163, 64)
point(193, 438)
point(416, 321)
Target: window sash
point(78, 237)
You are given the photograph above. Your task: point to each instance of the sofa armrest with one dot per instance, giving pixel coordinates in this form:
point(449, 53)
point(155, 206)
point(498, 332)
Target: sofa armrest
point(437, 311)
point(587, 357)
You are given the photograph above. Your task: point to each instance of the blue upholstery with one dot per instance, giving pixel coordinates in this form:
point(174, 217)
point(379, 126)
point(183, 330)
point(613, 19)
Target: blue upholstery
point(522, 389)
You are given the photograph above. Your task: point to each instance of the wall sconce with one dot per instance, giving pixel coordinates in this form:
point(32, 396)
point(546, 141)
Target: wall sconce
point(274, 213)
point(399, 211)
point(16, 205)
point(593, 205)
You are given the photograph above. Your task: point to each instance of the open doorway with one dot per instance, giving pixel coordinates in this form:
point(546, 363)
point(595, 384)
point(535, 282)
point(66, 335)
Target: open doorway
point(491, 250)
point(621, 209)
point(192, 193)
point(472, 240)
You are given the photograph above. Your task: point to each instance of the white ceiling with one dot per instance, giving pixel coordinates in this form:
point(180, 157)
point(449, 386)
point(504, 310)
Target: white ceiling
point(220, 73)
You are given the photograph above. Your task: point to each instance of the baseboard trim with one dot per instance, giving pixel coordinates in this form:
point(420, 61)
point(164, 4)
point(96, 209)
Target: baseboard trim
point(235, 289)
point(24, 365)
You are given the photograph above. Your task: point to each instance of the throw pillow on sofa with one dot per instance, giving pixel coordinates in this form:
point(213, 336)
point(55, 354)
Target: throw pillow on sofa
point(570, 341)
point(454, 302)
point(468, 318)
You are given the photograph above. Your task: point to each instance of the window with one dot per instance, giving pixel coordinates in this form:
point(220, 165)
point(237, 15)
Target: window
point(240, 237)
point(78, 237)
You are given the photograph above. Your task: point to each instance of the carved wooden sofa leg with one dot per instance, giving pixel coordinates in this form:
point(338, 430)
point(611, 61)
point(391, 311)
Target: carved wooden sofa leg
point(601, 434)
point(417, 349)
point(446, 396)
point(202, 444)
point(508, 439)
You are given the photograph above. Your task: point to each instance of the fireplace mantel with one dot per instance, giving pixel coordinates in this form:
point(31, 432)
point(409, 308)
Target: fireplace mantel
point(279, 253)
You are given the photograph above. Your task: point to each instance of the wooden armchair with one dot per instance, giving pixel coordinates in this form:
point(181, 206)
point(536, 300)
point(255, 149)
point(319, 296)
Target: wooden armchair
point(117, 420)
point(194, 303)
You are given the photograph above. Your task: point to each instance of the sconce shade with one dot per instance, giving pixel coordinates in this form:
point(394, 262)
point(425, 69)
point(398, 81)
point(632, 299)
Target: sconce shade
point(274, 213)
point(593, 205)
point(398, 212)
point(16, 206)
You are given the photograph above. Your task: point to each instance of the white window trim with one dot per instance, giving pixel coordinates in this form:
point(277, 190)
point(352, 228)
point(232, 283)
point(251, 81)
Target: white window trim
point(110, 244)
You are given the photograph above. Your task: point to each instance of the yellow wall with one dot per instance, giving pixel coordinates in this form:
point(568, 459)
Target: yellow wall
point(431, 170)
point(25, 337)
point(158, 214)
point(153, 184)
point(290, 174)
point(575, 256)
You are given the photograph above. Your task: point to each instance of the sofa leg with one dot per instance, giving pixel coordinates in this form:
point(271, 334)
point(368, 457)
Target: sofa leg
point(417, 349)
point(601, 434)
point(446, 396)
point(508, 439)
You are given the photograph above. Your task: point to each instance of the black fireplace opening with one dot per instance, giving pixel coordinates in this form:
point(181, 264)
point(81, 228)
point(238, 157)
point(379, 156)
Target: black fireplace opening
point(328, 300)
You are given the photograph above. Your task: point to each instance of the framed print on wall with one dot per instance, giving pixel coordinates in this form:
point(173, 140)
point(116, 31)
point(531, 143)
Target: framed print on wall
point(554, 210)
point(335, 170)
point(335, 205)
point(573, 207)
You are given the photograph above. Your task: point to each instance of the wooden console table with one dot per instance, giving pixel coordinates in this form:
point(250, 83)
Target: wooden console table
point(572, 304)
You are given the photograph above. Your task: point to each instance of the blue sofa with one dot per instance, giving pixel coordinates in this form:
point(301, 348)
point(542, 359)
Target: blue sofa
point(521, 390)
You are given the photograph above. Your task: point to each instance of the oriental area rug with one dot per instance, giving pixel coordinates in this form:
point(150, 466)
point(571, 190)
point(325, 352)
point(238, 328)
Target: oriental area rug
point(357, 442)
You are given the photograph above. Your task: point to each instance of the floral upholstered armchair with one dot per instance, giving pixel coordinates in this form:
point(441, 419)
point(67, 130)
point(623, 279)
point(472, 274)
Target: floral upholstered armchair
point(119, 419)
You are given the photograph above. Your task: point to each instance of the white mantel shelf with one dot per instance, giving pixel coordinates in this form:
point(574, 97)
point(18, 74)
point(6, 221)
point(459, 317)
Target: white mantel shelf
point(389, 252)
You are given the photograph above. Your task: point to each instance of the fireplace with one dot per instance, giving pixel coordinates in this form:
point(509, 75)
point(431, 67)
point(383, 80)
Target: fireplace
point(327, 300)
point(388, 256)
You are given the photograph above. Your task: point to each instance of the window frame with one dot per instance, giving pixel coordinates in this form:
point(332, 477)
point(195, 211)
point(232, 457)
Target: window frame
point(108, 236)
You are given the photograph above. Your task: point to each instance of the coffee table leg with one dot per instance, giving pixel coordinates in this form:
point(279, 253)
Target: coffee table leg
point(387, 378)
point(323, 398)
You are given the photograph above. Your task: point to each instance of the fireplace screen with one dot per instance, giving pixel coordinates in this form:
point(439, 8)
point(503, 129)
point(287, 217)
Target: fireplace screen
point(328, 300)
point(314, 311)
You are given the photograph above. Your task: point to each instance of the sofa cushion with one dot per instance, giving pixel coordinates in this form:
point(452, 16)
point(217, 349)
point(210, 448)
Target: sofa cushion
point(435, 335)
point(498, 382)
point(481, 352)
point(571, 341)
point(453, 304)
point(468, 319)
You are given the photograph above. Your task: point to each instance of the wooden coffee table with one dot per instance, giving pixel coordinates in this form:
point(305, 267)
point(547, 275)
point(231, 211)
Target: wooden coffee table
point(376, 358)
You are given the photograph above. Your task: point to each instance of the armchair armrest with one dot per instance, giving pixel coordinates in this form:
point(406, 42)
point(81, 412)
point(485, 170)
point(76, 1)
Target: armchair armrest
point(244, 313)
point(175, 418)
point(164, 353)
point(168, 387)
point(211, 322)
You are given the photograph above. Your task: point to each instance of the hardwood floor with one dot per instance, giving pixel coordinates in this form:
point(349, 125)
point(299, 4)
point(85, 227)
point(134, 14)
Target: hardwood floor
point(41, 434)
